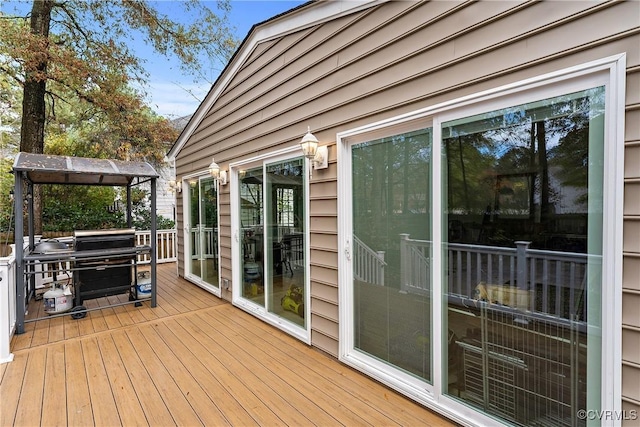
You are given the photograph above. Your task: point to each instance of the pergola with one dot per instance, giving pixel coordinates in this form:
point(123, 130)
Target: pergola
point(37, 169)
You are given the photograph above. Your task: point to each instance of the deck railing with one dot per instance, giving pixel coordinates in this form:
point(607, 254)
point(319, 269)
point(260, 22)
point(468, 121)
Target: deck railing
point(166, 245)
point(415, 273)
point(547, 282)
point(7, 305)
point(368, 265)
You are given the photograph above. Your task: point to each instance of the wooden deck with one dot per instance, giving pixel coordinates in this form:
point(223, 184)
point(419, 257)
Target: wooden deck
point(193, 360)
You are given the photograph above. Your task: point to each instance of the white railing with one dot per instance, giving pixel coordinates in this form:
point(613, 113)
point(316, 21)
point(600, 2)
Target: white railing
point(368, 265)
point(166, 245)
point(7, 305)
point(546, 282)
point(415, 275)
point(207, 238)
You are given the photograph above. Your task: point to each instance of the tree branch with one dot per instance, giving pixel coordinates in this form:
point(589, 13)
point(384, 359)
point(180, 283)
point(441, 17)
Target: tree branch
point(13, 76)
point(75, 25)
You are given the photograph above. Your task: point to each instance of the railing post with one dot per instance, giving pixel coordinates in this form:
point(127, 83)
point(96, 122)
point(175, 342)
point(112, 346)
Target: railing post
point(380, 255)
point(404, 260)
point(521, 264)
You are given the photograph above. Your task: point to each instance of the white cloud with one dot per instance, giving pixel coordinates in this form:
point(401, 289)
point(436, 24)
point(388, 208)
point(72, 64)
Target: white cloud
point(176, 99)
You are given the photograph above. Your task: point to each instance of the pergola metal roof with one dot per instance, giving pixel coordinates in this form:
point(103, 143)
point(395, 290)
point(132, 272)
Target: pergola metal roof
point(49, 169)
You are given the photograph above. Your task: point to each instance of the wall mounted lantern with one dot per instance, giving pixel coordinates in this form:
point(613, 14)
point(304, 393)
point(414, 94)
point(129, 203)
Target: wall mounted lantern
point(318, 156)
point(174, 187)
point(216, 173)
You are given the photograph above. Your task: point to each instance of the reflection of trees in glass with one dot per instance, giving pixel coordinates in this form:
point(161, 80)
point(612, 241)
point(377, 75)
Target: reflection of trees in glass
point(194, 198)
point(470, 172)
point(210, 203)
point(391, 192)
point(529, 161)
point(391, 176)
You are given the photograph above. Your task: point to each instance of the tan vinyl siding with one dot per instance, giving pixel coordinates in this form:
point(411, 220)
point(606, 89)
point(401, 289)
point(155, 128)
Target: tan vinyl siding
point(631, 244)
point(394, 58)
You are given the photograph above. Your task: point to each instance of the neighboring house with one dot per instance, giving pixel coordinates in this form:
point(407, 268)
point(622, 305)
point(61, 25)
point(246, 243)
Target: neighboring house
point(165, 195)
point(465, 244)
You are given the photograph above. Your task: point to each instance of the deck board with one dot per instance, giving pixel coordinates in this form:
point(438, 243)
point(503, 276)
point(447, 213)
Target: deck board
point(192, 360)
point(55, 390)
point(103, 399)
point(28, 413)
point(79, 411)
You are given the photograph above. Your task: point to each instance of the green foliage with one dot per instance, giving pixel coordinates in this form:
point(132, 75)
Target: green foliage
point(141, 212)
point(6, 204)
point(68, 208)
point(143, 221)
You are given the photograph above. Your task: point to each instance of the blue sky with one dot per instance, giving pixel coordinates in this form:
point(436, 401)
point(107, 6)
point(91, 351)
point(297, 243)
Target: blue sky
point(174, 95)
point(171, 93)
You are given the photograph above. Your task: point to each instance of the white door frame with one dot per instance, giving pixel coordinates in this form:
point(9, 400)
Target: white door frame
point(303, 334)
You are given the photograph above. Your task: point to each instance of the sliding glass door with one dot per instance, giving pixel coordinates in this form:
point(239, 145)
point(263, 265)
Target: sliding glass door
point(203, 263)
point(272, 236)
point(523, 250)
point(474, 254)
point(391, 281)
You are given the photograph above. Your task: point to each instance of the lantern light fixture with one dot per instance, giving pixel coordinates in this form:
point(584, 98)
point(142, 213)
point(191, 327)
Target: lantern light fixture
point(318, 156)
point(309, 144)
point(216, 173)
point(174, 187)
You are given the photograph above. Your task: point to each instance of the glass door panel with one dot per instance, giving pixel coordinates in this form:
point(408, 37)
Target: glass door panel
point(392, 250)
point(203, 213)
point(209, 234)
point(252, 235)
point(285, 231)
point(523, 253)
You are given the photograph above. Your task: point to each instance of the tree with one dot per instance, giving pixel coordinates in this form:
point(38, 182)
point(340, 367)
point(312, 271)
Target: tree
point(73, 55)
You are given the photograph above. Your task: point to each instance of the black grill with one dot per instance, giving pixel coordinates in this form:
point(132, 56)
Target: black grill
point(109, 271)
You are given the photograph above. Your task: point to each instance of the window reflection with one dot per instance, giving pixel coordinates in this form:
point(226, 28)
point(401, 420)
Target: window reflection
point(523, 199)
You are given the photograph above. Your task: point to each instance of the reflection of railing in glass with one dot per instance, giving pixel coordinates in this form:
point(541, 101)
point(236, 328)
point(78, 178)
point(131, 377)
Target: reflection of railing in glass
point(548, 282)
point(530, 371)
point(210, 242)
point(368, 265)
